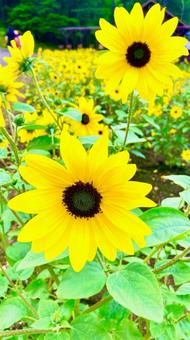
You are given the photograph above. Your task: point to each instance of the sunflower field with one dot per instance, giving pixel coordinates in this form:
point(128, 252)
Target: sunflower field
point(95, 185)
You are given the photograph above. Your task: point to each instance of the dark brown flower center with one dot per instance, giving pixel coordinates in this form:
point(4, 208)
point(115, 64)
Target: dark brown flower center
point(82, 200)
point(85, 119)
point(138, 54)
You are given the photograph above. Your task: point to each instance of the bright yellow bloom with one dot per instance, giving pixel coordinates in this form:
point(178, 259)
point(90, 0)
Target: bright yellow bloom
point(21, 60)
point(83, 205)
point(172, 131)
point(141, 51)
point(88, 126)
point(176, 112)
point(186, 155)
point(8, 86)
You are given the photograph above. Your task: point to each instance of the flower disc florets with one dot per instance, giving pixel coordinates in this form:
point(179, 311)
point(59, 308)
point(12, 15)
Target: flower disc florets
point(82, 200)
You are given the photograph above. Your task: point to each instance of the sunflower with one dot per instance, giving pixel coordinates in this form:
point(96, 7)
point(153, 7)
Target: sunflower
point(21, 58)
point(88, 124)
point(141, 51)
point(176, 112)
point(83, 205)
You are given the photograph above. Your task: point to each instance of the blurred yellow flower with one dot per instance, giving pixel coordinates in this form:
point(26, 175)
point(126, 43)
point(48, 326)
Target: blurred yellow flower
point(21, 60)
point(186, 155)
point(176, 112)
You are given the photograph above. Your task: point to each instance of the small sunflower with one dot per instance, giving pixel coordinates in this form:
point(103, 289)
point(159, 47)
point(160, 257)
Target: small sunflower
point(186, 155)
point(141, 51)
point(9, 86)
point(21, 58)
point(176, 112)
point(88, 125)
point(83, 205)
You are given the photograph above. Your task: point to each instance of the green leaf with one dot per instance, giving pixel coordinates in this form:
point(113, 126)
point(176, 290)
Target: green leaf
point(185, 195)
point(137, 289)
point(36, 259)
point(3, 285)
point(180, 272)
point(88, 139)
point(127, 330)
point(184, 289)
point(73, 114)
point(17, 251)
point(37, 289)
point(172, 202)
point(47, 307)
point(22, 107)
point(89, 327)
point(44, 143)
point(42, 323)
point(11, 311)
point(80, 285)
point(5, 178)
point(181, 180)
point(166, 224)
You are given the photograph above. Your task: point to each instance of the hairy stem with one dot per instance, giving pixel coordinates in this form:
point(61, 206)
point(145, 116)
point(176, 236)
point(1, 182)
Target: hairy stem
point(31, 331)
point(172, 261)
point(12, 144)
point(130, 113)
point(42, 96)
point(97, 305)
point(27, 303)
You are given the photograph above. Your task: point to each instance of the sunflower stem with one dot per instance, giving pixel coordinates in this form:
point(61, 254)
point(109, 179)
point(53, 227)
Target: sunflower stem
point(27, 303)
point(172, 261)
point(12, 144)
point(130, 113)
point(53, 274)
point(8, 116)
point(36, 82)
point(31, 331)
point(97, 305)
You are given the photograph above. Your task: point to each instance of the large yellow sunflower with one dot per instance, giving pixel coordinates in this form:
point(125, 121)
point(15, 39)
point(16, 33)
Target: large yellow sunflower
point(88, 125)
point(141, 51)
point(83, 205)
point(21, 57)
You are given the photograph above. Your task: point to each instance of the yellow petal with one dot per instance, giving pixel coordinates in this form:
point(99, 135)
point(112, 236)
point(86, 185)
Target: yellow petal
point(126, 221)
point(56, 250)
point(73, 155)
point(79, 244)
point(105, 246)
point(41, 225)
point(34, 201)
point(97, 154)
point(44, 171)
point(27, 44)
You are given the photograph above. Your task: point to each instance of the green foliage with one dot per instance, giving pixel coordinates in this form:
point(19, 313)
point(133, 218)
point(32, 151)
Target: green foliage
point(137, 289)
point(45, 17)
